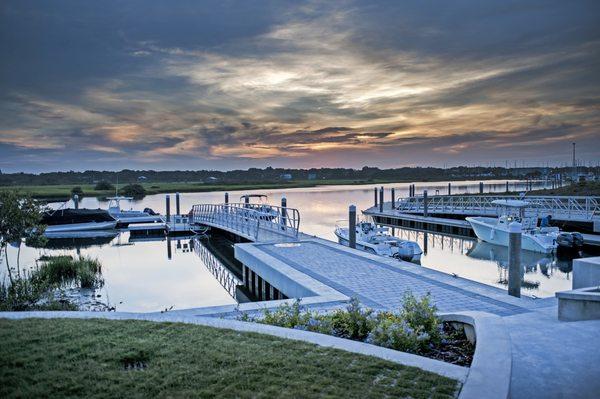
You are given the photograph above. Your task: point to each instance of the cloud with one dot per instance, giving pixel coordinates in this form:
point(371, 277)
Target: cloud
point(293, 84)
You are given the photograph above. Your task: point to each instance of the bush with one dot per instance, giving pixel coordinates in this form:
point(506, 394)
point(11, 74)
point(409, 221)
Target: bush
point(77, 191)
point(104, 186)
point(415, 328)
point(133, 190)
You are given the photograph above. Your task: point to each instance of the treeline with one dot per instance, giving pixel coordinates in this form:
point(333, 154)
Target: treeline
point(269, 174)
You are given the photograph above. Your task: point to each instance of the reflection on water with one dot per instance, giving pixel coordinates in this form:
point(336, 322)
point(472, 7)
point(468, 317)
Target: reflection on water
point(543, 274)
point(156, 273)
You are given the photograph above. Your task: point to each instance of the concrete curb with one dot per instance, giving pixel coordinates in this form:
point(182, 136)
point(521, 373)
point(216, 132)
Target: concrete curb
point(490, 372)
point(435, 366)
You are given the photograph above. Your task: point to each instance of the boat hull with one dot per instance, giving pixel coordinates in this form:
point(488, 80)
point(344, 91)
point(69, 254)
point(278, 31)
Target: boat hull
point(71, 227)
point(490, 233)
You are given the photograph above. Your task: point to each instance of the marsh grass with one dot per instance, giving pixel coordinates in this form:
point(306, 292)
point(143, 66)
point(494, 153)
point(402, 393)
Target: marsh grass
point(110, 358)
point(39, 288)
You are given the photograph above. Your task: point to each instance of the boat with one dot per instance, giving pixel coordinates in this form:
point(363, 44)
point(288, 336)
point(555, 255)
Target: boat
point(71, 220)
point(266, 210)
point(377, 240)
point(126, 217)
point(495, 230)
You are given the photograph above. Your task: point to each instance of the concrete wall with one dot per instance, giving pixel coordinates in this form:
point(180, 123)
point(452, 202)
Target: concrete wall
point(586, 272)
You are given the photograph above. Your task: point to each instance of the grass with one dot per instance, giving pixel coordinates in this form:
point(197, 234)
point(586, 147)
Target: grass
point(64, 191)
point(108, 358)
point(583, 188)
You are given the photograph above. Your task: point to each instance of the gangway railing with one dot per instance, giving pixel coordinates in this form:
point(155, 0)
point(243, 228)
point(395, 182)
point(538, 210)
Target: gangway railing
point(250, 220)
point(571, 207)
point(225, 277)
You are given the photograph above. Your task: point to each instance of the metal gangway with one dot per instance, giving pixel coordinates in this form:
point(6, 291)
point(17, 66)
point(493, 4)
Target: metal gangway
point(255, 222)
point(224, 276)
point(583, 209)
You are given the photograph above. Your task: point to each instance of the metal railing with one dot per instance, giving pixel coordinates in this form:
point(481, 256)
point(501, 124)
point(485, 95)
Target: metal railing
point(250, 220)
point(225, 277)
point(579, 208)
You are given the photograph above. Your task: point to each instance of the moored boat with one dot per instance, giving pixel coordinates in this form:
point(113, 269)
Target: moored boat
point(496, 230)
point(69, 220)
point(376, 240)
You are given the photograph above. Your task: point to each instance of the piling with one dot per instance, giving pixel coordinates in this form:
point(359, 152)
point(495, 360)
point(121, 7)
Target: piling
point(425, 200)
point(76, 201)
point(246, 200)
point(283, 212)
point(375, 196)
point(168, 207)
point(449, 188)
point(352, 226)
point(227, 198)
point(480, 187)
point(393, 195)
point(381, 199)
point(507, 186)
point(177, 208)
point(514, 259)
point(169, 253)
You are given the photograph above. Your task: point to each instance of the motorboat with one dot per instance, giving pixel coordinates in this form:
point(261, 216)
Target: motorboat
point(266, 210)
point(377, 240)
point(126, 217)
point(496, 230)
point(71, 220)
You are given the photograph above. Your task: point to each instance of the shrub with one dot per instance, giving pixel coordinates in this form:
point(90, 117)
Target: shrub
point(133, 190)
point(354, 322)
point(77, 190)
point(415, 328)
point(103, 185)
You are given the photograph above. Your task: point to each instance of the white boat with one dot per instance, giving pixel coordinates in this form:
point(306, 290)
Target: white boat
point(495, 230)
point(376, 240)
point(267, 211)
point(72, 220)
point(125, 217)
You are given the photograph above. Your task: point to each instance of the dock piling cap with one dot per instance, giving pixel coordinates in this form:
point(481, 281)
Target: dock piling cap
point(515, 227)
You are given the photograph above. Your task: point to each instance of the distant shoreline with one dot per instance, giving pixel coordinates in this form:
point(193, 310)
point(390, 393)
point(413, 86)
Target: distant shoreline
point(63, 191)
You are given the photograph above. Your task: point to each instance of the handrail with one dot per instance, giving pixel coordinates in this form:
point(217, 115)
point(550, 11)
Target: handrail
point(249, 219)
point(584, 208)
point(223, 275)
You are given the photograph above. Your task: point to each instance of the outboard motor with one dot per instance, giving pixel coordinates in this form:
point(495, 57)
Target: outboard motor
point(569, 240)
point(149, 211)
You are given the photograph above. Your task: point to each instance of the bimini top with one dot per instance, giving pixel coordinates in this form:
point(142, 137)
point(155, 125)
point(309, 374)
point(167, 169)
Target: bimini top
point(511, 203)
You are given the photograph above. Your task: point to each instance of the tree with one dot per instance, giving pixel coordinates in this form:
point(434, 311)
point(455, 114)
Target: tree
point(77, 191)
point(20, 217)
point(133, 190)
point(103, 185)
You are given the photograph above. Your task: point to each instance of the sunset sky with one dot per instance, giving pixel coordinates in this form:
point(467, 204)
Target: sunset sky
point(237, 84)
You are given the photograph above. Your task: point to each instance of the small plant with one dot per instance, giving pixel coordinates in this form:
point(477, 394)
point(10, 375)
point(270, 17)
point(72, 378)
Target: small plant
point(354, 322)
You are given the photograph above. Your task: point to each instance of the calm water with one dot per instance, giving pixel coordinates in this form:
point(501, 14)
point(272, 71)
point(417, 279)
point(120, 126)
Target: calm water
point(148, 276)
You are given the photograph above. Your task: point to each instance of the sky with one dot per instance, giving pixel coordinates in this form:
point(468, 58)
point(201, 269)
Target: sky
point(238, 84)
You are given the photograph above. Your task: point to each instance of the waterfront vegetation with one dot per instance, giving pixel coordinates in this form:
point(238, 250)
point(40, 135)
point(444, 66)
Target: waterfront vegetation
point(414, 329)
point(43, 286)
point(110, 358)
point(587, 188)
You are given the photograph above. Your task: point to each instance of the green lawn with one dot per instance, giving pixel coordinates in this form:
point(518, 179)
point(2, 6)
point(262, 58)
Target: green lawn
point(103, 358)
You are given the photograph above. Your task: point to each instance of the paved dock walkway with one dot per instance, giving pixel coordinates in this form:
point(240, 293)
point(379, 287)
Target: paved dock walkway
point(380, 285)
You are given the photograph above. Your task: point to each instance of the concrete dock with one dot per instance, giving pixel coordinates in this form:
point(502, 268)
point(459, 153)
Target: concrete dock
point(550, 358)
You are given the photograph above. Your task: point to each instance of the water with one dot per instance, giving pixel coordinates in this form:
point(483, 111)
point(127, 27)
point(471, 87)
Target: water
point(156, 275)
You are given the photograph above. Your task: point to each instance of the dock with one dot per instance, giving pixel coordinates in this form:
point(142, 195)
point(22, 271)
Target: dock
point(281, 262)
